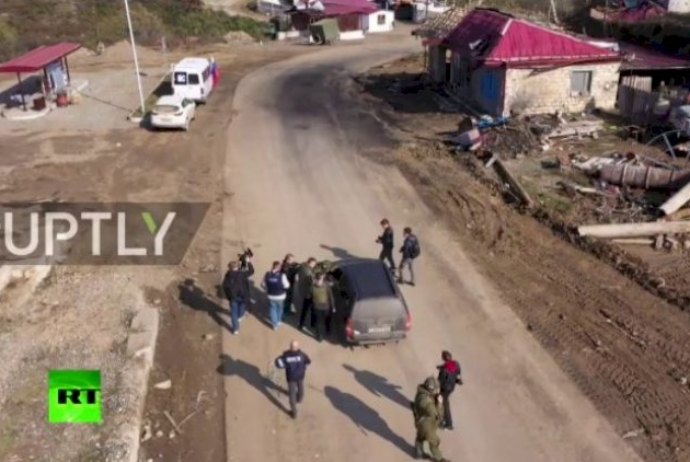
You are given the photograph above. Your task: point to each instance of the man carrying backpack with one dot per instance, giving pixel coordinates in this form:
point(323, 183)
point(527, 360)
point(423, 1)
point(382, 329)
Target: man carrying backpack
point(236, 289)
point(410, 250)
point(448, 376)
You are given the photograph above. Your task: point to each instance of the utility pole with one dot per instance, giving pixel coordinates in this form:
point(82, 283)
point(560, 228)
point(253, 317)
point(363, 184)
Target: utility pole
point(136, 60)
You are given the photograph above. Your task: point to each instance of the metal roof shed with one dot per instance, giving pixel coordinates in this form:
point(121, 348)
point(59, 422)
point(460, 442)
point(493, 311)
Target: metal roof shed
point(38, 59)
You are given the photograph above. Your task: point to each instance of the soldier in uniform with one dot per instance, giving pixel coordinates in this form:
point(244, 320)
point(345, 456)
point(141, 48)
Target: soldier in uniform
point(428, 415)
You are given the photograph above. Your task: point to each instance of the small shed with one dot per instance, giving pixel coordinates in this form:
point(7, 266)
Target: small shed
point(51, 59)
point(379, 21)
point(325, 31)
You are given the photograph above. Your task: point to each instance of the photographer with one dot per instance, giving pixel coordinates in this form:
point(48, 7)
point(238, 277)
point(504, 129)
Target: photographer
point(387, 244)
point(236, 288)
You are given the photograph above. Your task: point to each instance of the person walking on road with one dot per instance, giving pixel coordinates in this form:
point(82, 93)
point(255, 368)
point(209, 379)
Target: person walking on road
point(410, 251)
point(295, 363)
point(236, 289)
point(306, 284)
point(449, 375)
point(276, 285)
point(289, 268)
point(321, 295)
point(428, 414)
point(387, 244)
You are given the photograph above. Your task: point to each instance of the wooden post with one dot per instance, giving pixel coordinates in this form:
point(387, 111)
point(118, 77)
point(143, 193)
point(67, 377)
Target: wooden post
point(69, 79)
point(19, 79)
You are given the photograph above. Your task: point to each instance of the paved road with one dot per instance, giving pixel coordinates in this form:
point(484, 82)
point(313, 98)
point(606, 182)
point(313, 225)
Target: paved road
point(295, 183)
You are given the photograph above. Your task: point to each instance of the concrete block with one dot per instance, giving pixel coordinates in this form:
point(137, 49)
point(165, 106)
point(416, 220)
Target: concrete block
point(145, 320)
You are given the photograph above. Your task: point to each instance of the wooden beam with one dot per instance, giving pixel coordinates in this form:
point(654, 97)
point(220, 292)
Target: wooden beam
point(517, 188)
point(635, 229)
point(675, 202)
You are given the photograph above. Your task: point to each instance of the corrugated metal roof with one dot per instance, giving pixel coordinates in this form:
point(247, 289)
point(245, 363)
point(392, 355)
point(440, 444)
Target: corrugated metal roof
point(37, 59)
point(440, 26)
point(498, 38)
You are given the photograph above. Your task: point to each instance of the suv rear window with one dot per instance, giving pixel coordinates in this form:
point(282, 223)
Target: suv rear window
point(193, 79)
point(370, 280)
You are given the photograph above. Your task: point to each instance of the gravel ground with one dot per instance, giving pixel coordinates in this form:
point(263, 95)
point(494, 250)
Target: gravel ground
point(69, 301)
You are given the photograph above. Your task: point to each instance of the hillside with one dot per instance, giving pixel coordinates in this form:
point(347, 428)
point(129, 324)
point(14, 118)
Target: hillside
point(25, 24)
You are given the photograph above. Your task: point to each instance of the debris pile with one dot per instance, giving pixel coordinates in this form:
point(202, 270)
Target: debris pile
point(516, 137)
point(654, 218)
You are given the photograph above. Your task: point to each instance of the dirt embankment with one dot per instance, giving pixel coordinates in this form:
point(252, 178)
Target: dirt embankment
point(625, 347)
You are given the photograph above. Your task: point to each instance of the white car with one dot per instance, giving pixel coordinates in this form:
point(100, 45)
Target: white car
point(173, 111)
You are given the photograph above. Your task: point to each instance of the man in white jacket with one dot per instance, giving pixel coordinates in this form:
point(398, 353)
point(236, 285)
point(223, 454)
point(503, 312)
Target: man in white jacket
point(276, 285)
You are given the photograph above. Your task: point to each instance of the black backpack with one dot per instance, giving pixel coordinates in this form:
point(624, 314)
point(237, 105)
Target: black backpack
point(415, 249)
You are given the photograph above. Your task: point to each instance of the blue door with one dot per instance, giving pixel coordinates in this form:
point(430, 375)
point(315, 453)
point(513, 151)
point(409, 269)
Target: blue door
point(491, 85)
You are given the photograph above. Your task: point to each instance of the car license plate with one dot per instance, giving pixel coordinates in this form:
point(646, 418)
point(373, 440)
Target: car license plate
point(379, 329)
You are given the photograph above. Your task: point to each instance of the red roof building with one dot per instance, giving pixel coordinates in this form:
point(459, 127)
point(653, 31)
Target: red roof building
point(503, 65)
point(499, 39)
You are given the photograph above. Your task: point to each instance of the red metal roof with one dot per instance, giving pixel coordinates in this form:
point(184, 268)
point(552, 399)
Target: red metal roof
point(498, 38)
point(38, 58)
point(340, 7)
point(643, 58)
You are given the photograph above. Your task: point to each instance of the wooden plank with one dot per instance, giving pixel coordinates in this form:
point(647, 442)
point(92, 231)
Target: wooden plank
point(634, 229)
point(519, 191)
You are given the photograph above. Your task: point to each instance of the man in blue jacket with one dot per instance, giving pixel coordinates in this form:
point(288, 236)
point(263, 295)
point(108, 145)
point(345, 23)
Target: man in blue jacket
point(295, 363)
point(410, 251)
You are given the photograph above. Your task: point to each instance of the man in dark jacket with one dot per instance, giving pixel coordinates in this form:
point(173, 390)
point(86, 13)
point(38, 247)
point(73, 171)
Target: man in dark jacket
point(410, 250)
point(387, 244)
point(289, 268)
point(295, 363)
point(236, 289)
point(449, 375)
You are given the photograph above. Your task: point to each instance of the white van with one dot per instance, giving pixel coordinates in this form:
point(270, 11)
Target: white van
point(192, 78)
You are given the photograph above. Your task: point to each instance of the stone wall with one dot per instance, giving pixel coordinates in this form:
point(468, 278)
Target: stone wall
point(530, 92)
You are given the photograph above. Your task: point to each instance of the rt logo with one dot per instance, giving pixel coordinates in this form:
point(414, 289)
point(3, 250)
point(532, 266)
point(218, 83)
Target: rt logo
point(74, 396)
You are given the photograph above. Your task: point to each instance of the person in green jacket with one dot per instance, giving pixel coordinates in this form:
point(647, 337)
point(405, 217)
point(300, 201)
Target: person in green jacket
point(305, 282)
point(321, 296)
point(428, 415)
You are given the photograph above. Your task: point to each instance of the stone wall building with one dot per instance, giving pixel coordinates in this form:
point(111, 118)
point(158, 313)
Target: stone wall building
point(507, 65)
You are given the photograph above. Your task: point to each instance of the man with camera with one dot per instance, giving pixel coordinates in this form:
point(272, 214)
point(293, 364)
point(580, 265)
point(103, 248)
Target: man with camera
point(236, 287)
point(387, 244)
point(428, 415)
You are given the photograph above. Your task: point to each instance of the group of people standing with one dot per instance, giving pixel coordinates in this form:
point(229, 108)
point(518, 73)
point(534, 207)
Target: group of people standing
point(281, 284)
point(286, 279)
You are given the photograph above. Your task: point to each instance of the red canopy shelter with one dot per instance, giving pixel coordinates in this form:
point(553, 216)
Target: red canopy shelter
point(38, 59)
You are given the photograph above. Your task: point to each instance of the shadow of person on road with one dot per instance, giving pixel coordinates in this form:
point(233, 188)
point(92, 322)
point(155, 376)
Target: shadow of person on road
point(338, 252)
point(194, 297)
point(365, 417)
point(379, 386)
point(253, 376)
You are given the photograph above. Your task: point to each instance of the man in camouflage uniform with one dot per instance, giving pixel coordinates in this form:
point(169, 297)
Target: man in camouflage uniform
point(428, 415)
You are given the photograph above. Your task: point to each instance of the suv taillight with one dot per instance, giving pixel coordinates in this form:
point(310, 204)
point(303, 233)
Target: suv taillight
point(349, 331)
point(408, 323)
